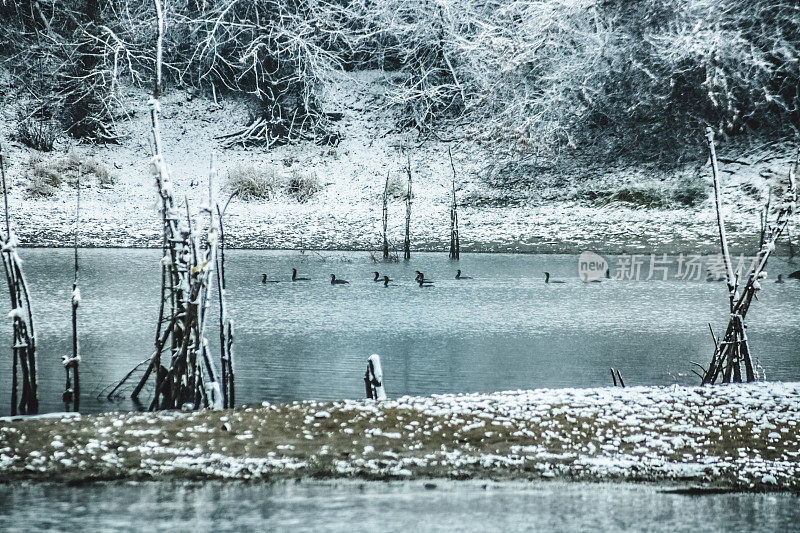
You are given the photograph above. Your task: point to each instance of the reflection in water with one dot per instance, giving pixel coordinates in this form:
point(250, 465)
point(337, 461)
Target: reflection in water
point(504, 329)
point(386, 507)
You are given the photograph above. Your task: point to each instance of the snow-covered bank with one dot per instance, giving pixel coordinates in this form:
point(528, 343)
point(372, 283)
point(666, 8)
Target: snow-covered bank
point(539, 215)
point(742, 437)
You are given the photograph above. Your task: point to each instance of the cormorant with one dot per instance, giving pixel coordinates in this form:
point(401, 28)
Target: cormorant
point(335, 281)
point(421, 276)
point(547, 279)
point(459, 276)
point(295, 278)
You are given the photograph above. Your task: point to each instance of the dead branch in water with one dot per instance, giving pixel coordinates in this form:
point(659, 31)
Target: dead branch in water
point(24, 335)
point(185, 374)
point(734, 348)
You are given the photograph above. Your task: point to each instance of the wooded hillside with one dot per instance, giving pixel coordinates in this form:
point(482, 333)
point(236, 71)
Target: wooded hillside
point(541, 82)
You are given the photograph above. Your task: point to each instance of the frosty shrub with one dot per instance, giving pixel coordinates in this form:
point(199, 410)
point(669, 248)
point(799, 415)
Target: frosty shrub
point(398, 188)
point(251, 182)
point(303, 185)
point(589, 81)
point(37, 134)
point(555, 83)
point(43, 178)
point(46, 173)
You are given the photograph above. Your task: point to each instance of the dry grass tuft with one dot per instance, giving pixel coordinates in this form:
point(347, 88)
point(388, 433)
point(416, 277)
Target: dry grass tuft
point(45, 174)
point(303, 185)
point(251, 182)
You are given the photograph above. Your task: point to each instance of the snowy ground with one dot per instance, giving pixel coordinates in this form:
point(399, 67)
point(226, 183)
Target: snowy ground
point(742, 437)
point(347, 214)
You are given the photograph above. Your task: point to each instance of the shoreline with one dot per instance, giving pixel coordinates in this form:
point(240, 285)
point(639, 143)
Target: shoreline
point(509, 230)
point(731, 438)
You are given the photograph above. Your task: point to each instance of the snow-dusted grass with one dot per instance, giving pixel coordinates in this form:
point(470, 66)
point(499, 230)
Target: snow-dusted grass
point(738, 437)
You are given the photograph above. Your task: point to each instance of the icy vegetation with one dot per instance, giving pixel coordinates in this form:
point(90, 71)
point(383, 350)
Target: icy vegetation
point(742, 437)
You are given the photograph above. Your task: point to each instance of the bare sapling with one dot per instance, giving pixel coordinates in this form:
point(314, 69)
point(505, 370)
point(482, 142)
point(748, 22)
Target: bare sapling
point(24, 399)
point(386, 218)
point(407, 240)
point(455, 245)
point(733, 349)
point(225, 322)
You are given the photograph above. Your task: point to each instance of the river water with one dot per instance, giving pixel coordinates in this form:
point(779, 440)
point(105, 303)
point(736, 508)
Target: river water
point(503, 329)
point(387, 507)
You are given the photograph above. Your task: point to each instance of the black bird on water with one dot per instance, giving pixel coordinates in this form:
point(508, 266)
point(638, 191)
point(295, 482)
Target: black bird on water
point(378, 278)
point(422, 281)
point(780, 279)
point(547, 279)
point(295, 278)
point(794, 275)
point(421, 276)
point(386, 281)
point(335, 281)
point(459, 276)
point(264, 279)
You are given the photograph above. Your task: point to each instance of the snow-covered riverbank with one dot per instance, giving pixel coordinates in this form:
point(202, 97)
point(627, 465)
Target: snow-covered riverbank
point(742, 437)
point(538, 214)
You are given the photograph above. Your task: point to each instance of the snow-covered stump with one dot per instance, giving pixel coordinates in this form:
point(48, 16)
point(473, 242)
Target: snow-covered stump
point(23, 372)
point(373, 378)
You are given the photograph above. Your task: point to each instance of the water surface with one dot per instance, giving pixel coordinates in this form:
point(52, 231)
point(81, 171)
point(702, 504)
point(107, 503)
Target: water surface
point(504, 329)
point(387, 507)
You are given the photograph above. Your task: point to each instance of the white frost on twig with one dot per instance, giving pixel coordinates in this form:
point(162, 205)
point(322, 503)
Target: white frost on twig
point(67, 360)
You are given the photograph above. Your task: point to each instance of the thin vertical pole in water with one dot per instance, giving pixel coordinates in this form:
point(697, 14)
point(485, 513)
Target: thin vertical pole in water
point(386, 218)
point(71, 365)
point(407, 241)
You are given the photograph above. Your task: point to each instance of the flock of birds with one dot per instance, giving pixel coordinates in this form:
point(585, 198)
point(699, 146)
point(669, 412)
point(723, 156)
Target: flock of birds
point(420, 279)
